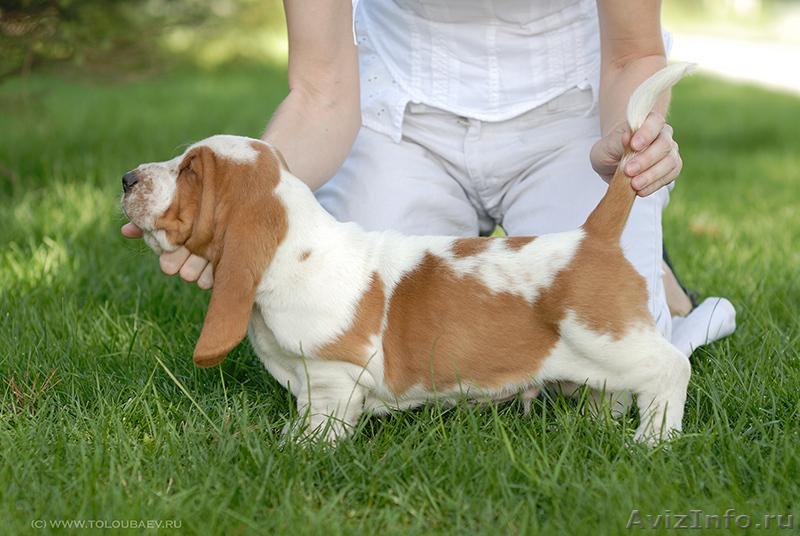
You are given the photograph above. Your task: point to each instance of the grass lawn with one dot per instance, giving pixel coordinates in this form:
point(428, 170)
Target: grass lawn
point(105, 421)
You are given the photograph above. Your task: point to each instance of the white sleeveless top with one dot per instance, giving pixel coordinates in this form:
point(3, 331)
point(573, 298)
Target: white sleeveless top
point(489, 60)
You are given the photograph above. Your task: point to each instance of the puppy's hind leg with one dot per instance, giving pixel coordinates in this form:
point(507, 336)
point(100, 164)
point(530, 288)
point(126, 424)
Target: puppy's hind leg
point(655, 372)
point(640, 361)
point(662, 395)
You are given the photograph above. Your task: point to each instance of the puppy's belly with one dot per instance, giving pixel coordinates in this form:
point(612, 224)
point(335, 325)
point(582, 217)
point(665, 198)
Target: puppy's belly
point(468, 395)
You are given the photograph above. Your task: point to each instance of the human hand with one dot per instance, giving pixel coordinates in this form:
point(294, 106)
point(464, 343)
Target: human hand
point(191, 267)
point(657, 163)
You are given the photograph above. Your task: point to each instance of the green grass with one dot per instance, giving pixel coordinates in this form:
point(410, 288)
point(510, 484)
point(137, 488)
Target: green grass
point(103, 416)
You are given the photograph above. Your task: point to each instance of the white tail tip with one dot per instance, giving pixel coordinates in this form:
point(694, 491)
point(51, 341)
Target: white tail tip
point(646, 95)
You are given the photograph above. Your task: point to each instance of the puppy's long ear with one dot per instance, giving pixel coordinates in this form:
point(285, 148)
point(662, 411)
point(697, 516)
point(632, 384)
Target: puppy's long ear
point(249, 222)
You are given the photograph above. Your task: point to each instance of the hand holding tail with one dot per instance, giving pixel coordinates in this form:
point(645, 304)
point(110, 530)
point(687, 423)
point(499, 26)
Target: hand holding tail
point(611, 214)
point(656, 162)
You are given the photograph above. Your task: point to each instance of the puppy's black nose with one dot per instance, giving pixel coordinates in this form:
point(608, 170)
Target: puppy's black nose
point(129, 180)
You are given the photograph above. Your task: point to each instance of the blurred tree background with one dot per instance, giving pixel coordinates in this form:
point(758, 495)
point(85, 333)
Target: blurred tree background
point(144, 36)
point(108, 36)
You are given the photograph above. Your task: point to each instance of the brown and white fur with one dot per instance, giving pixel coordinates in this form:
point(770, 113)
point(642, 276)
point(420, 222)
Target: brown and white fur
point(353, 321)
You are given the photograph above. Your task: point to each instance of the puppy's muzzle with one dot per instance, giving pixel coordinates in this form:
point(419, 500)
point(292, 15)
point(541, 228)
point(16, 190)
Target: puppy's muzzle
point(128, 181)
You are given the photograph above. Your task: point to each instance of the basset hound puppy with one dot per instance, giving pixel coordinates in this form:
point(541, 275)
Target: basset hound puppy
point(353, 321)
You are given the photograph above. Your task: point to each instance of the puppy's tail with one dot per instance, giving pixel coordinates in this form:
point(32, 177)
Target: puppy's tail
point(608, 219)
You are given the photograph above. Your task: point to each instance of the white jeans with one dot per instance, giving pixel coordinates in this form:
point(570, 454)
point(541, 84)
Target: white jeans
point(452, 175)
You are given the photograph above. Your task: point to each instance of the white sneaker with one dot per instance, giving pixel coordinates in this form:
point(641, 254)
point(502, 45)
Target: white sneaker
point(710, 321)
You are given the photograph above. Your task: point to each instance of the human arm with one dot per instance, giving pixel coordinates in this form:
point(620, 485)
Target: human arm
point(315, 125)
point(632, 49)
